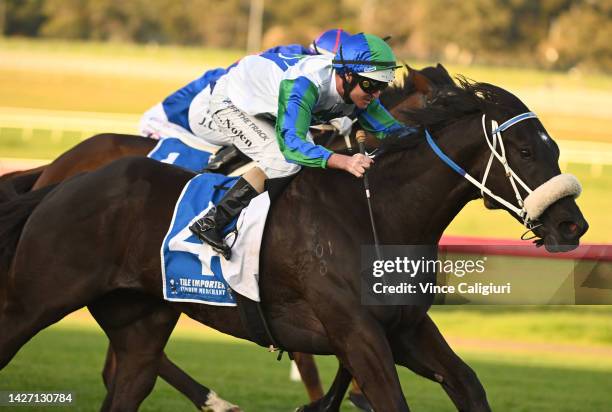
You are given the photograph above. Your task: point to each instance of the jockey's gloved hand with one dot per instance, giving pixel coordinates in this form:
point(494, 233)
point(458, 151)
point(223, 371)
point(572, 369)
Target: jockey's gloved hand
point(343, 125)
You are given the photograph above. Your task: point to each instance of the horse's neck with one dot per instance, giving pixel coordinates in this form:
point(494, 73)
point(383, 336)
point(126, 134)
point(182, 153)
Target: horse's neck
point(424, 195)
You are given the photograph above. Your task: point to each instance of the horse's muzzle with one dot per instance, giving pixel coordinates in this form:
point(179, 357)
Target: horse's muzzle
point(562, 226)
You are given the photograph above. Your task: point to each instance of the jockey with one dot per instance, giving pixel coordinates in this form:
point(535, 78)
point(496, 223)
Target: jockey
point(328, 42)
point(296, 91)
point(186, 112)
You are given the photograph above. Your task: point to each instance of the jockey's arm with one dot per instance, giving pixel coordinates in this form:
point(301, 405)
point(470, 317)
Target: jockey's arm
point(377, 120)
point(296, 100)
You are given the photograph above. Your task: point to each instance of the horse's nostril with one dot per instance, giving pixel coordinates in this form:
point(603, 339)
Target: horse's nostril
point(569, 228)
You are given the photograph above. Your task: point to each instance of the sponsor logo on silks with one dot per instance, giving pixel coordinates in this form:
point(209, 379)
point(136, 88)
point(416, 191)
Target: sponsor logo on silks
point(368, 69)
point(208, 122)
point(238, 133)
point(283, 61)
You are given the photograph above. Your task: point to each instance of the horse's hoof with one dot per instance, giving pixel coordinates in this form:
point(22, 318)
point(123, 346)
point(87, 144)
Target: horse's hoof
point(360, 402)
point(214, 403)
point(231, 409)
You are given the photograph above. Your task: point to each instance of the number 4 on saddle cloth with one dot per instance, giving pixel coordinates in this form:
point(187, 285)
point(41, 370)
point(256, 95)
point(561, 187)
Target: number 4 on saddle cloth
point(191, 270)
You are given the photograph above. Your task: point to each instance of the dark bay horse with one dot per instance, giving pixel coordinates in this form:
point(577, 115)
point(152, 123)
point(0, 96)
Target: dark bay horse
point(108, 246)
point(413, 92)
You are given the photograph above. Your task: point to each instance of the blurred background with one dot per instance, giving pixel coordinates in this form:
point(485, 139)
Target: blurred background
point(73, 68)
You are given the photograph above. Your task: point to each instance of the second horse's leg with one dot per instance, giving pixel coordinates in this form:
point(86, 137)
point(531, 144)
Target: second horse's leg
point(310, 375)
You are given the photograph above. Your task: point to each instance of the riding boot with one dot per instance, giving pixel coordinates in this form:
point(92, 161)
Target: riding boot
point(209, 228)
point(226, 160)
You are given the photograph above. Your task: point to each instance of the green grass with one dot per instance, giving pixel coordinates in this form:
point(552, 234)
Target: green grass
point(571, 325)
point(69, 357)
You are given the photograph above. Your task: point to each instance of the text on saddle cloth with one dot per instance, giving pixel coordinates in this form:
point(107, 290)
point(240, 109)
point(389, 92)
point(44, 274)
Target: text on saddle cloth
point(191, 270)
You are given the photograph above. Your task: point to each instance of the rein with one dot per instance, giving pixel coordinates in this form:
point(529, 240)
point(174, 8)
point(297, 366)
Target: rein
point(558, 186)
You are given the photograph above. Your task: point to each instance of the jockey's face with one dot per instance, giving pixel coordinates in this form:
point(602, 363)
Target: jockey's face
point(360, 98)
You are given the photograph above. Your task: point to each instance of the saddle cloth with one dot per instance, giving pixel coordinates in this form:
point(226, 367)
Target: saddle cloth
point(173, 150)
point(191, 270)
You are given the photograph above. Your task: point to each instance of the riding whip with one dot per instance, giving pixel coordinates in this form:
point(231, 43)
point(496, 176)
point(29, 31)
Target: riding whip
point(361, 136)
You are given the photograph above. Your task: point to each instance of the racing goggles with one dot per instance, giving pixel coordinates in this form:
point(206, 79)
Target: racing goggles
point(371, 86)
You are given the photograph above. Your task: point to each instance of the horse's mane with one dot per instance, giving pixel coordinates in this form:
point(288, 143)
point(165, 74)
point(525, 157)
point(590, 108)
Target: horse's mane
point(397, 93)
point(450, 103)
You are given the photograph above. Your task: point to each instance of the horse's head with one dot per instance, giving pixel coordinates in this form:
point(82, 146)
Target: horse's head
point(415, 89)
point(516, 167)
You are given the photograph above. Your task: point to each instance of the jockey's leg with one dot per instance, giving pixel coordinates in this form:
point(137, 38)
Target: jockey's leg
point(226, 160)
point(256, 138)
point(209, 228)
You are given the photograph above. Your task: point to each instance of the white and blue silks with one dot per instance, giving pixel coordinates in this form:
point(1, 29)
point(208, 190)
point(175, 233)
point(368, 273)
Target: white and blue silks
point(174, 151)
point(191, 270)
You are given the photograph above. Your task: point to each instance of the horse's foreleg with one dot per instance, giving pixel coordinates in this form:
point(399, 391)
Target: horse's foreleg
point(110, 368)
point(362, 347)
point(424, 351)
point(333, 398)
point(358, 399)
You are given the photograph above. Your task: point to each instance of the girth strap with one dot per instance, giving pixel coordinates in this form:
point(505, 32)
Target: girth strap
point(255, 323)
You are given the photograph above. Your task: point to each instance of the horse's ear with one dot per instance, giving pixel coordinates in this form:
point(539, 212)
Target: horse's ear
point(443, 70)
point(409, 73)
point(421, 83)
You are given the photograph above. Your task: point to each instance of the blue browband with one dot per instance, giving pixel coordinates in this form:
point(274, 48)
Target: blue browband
point(505, 125)
point(515, 120)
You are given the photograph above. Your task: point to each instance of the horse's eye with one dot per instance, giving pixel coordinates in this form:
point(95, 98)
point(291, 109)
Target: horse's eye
point(525, 153)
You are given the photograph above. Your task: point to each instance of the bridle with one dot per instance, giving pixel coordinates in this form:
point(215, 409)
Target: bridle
point(519, 209)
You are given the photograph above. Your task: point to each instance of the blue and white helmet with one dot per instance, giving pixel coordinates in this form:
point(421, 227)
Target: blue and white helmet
point(329, 41)
point(368, 56)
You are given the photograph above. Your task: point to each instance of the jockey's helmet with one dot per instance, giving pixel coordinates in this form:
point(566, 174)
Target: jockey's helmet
point(329, 41)
point(366, 55)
